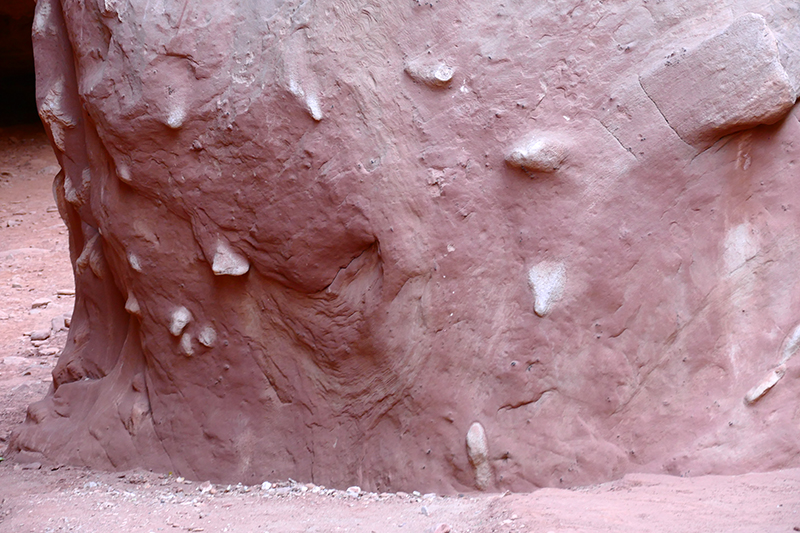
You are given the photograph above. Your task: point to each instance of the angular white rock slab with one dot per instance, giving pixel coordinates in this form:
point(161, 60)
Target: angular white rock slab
point(227, 262)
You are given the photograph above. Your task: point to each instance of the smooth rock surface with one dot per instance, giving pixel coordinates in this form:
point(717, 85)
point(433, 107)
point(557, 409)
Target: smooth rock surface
point(40, 334)
point(389, 301)
point(730, 82)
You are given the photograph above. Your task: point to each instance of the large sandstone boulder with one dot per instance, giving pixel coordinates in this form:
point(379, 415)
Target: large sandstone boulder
point(434, 245)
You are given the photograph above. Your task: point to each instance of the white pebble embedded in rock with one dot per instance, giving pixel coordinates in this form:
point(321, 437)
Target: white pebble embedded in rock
point(538, 154)
point(180, 318)
point(478, 453)
point(207, 336)
point(547, 280)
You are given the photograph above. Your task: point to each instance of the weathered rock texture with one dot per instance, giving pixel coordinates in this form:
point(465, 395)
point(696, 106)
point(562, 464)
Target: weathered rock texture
point(300, 249)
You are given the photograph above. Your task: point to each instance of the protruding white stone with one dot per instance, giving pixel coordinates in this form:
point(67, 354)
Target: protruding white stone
point(207, 337)
point(176, 117)
point(110, 8)
point(443, 75)
point(124, 173)
point(132, 305)
point(547, 280)
point(771, 379)
point(477, 446)
point(314, 109)
point(478, 453)
point(227, 262)
point(295, 88)
point(186, 345)
point(180, 318)
point(309, 99)
point(133, 261)
point(431, 74)
point(538, 154)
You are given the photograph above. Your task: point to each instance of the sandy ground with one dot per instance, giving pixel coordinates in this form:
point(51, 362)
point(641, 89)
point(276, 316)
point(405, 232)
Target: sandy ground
point(34, 268)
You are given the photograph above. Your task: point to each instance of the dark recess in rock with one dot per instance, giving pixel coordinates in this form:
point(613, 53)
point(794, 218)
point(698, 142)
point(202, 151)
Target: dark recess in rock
point(17, 76)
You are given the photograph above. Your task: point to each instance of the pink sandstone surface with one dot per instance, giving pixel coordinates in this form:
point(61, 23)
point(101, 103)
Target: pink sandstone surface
point(425, 245)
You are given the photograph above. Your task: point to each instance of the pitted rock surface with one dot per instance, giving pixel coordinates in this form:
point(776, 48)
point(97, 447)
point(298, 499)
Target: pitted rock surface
point(300, 250)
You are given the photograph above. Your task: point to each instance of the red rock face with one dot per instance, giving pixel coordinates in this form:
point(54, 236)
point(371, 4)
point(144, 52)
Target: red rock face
point(443, 245)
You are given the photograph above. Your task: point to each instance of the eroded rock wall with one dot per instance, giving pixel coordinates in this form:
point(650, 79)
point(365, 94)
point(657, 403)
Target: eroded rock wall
point(439, 245)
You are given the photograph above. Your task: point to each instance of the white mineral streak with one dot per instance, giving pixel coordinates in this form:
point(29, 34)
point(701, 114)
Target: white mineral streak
point(740, 246)
point(791, 344)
